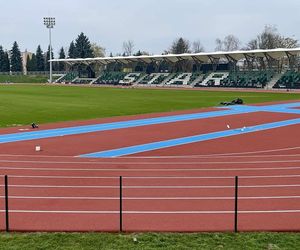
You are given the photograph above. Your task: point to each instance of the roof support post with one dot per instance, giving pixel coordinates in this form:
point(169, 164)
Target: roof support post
point(197, 63)
point(271, 61)
point(169, 62)
point(291, 59)
point(214, 61)
point(231, 61)
point(250, 61)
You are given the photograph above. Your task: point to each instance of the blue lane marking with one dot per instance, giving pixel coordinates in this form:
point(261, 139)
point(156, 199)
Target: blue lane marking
point(188, 140)
point(233, 110)
point(277, 108)
point(110, 126)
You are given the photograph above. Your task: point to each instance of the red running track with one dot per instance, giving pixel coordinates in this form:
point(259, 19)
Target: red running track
point(186, 188)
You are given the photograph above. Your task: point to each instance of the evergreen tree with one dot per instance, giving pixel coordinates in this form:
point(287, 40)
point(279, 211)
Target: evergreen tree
point(180, 46)
point(16, 59)
point(6, 63)
point(83, 47)
point(40, 62)
point(139, 53)
point(72, 50)
point(28, 63)
point(62, 55)
point(1, 59)
point(31, 63)
point(47, 63)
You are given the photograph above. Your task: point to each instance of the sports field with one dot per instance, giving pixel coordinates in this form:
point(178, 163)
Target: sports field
point(21, 104)
point(190, 155)
point(181, 180)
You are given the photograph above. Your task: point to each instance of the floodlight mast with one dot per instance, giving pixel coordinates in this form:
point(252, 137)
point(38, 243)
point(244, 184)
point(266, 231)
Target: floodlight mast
point(49, 22)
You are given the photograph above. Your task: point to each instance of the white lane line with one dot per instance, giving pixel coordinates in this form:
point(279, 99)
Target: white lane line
point(233, 154)
point(151, 198)
point(154, 187)
point(149, 212)
point(152, 177)
point(237, 154)
point(149, 163)
point(210, 156)
point(37, 156)
point(150, 169)
point(64, 177)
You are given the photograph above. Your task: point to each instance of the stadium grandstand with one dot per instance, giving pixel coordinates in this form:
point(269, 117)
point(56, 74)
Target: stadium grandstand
point(268, 69)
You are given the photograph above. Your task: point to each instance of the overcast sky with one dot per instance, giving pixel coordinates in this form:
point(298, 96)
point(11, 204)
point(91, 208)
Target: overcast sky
point(151, 24)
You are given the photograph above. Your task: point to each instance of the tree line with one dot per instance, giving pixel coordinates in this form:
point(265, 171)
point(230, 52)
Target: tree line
point(81, 47)
point(39, 61)
point(269, 38)
point(12, 60)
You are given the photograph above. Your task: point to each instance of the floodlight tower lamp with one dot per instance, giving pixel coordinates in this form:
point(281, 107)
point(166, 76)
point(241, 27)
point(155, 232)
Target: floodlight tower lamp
point(49, 22)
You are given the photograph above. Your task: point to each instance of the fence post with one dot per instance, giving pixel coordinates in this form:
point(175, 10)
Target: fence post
point(236, 205)
point(121, 206)
point(6, 203)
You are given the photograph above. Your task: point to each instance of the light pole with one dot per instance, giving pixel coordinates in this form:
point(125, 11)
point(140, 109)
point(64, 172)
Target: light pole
point(49, 22)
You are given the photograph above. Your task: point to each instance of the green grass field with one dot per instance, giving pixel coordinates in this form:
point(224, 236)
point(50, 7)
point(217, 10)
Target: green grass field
point(21, 104)
point(151, 241)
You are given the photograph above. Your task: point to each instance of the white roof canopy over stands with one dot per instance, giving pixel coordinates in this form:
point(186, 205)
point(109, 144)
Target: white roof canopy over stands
point(198, 57)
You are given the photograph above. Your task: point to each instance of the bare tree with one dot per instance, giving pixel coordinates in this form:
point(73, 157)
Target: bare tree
point(229, 43)
point(98, 51)
point(287, 42)
point(219, 45)
point(270, 38)
point(198, 47)
point(252, 45)
point(128, 47)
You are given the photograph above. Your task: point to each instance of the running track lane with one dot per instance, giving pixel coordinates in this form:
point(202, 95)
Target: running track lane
point(111, 126)
point(145, 215)
point(187, 140)
point(287, 217)
point(141, 215)
point(282, 108)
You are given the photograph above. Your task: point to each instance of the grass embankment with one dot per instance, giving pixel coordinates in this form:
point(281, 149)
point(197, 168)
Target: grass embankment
point(147, 241)
point(21, 104)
